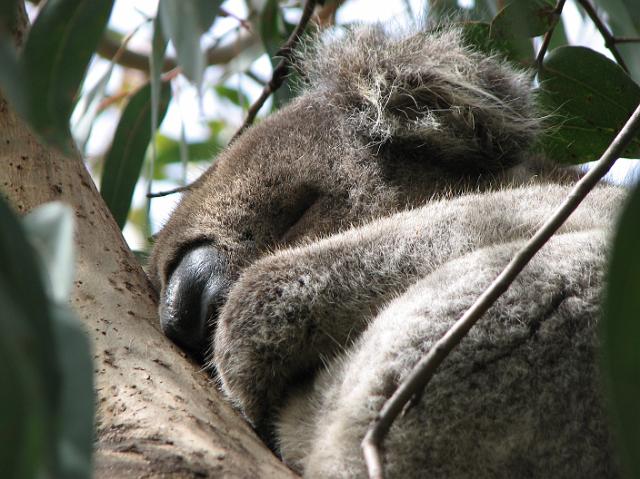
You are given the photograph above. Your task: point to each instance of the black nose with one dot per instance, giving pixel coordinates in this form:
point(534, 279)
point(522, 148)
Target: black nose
point(191, 298)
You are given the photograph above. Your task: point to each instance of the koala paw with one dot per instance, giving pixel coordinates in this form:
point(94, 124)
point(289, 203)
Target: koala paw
point(264, 339)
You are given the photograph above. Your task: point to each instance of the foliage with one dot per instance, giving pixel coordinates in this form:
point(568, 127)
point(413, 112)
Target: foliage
point(621, 332)
point(124, 159)
point(574, 82)
point(46, 400)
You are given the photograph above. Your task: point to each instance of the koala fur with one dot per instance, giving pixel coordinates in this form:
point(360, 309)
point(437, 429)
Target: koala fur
point(333, 243)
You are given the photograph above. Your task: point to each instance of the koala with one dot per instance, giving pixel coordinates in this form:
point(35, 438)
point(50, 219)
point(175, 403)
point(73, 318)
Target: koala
point(330, 246)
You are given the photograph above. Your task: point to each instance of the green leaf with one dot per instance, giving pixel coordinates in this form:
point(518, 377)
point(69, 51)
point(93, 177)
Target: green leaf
point(58, 49)
point(8, 16)
point(168, 150)
point(46, 399)
point(184, 22)
point(124, 159)
point(520, 20)
point(524, 18)
point(50, 231)
point(11, 77)
point(23, 409)
point(621, 335)
point(590, 98)
point(158, 49)
point(234, 95)
point(478, 35)
point(29, 396)
point(75, 439)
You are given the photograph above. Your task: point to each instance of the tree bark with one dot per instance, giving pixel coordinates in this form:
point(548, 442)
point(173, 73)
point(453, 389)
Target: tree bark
point(158, 415)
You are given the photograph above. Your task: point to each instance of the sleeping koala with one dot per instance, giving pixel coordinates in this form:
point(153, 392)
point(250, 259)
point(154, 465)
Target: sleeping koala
point(332, 244)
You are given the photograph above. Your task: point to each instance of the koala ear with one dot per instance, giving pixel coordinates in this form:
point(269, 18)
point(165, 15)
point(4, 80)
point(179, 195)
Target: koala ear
point(425, 92)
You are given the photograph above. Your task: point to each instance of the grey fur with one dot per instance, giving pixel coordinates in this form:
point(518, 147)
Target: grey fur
point(358, 223)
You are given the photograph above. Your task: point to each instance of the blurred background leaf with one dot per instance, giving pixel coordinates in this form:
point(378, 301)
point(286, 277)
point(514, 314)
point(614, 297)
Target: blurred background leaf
point(621, 334)
point(56, 55)
point(184, 22)
point(124, 160)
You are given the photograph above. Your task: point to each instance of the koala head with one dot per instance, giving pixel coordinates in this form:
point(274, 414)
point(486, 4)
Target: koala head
point(382, 123)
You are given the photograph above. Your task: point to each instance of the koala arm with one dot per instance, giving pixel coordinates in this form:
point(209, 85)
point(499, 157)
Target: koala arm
point(296, 309)
point(526, 370)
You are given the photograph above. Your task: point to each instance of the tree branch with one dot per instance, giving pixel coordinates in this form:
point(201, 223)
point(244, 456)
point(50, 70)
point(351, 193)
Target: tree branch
point(557, 11)
point(179, 189)
point(108, 48)
point(626, 39)
point(422, 373)
point(609, 39)
point(281, 70)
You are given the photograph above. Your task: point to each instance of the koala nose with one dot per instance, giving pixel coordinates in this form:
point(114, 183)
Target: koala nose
point(191, 298)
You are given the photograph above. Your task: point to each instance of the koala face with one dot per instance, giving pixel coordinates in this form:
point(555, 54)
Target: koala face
point(382, 125)
point(291, 178)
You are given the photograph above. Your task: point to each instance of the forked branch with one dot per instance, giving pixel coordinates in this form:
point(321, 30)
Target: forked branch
point(424, 370)
point(609, 40)
point(281, 70)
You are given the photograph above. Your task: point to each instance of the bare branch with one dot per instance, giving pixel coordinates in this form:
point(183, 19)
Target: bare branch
point(609, 39)
point(173, 191)
point(281, 70)
point(626, 39)
point(557, 11)
point(220, 55)
point(421, 374)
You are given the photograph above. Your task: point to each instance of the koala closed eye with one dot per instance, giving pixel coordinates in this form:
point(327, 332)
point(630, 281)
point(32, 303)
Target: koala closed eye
point(334, 242)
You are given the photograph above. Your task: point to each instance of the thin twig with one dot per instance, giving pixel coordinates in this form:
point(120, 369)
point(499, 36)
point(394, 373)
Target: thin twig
point(159, 194)
point(419, 377)
point(626, 39)
point(557, 11)
point(281, 70)
point(609, 39)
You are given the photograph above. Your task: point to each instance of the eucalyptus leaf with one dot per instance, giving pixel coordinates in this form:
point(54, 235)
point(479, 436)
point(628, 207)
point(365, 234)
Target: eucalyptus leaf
point(621, 336)
point(478, 35)
point(525, 18)
point(28, 368)
point(8, 16)
point(88, 109)
point(520, 20)
point(23, 405)
point(590, 98)
point(158, 49)
point(75, 437)
point(168, 150)
point(50, 231)
point(58, 50)
point(234, 95)
point(11, 77)
point(124, 159)
point(184, 22)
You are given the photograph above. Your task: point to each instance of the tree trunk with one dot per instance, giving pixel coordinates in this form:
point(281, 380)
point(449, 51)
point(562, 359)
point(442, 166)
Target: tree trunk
point(158, 415)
